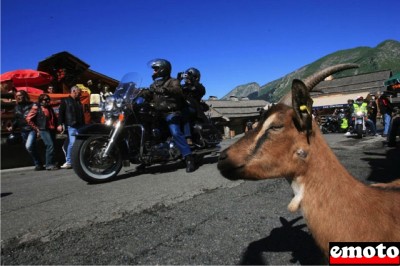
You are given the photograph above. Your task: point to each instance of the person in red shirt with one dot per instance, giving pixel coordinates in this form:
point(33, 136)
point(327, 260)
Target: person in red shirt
point(44, 121)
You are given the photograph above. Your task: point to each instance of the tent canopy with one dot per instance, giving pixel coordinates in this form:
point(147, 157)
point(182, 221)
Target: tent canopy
point(395, 79)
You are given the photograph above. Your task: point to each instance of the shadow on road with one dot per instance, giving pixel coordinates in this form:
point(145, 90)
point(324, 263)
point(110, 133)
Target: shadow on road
point(163, 168)
point(287, 238)
point(386, 168)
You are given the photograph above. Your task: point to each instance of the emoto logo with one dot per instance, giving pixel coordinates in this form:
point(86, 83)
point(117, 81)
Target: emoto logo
point(359, 253)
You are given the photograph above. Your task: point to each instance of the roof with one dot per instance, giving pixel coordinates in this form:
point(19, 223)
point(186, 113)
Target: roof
point(371, 82)
point(337, 100)
point(234, 109)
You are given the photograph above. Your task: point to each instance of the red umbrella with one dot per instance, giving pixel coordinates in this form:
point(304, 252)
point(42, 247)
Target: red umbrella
point(27, 77)
point(30, 90)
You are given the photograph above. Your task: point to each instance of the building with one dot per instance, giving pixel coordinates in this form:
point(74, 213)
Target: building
point(231, 116)
point(68, 70)
point(334, 93)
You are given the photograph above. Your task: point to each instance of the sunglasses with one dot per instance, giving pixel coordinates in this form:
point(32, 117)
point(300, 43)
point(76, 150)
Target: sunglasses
point(46, 99)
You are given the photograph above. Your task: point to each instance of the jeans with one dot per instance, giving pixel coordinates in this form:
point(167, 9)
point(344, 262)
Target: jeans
point(394, 129)
point(371, 125)
point(69, 143)
point(49, 138)
point(188, 114)
point(174, 124)
point(386, 123)
point(29, 138)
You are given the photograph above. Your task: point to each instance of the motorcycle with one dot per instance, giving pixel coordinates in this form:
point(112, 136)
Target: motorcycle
point(359, 124)
point(330, 125)
point(133, 132)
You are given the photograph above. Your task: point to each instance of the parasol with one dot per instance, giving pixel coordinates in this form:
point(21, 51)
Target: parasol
point(27, 77)
point(29, 90)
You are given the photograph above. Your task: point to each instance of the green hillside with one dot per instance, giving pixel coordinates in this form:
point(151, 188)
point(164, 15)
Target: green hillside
point(383, 57)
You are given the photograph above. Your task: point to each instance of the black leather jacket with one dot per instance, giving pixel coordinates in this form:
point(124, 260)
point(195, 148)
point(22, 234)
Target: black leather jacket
point(171, 98)
point(195, 91)
point(21, 111)
point(71, 112)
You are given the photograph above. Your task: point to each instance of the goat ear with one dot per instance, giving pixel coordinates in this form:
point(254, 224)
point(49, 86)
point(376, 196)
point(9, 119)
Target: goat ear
point(302, 105)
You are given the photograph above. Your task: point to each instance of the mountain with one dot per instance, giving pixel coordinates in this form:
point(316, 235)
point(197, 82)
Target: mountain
point(383, 57)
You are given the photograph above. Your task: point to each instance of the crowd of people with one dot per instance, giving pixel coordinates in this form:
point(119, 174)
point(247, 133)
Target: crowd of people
point(379, 105)
point(38, 120)
point(179, 104)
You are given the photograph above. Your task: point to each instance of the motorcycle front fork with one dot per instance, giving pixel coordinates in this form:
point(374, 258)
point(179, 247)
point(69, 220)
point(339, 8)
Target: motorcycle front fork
point(117, 130)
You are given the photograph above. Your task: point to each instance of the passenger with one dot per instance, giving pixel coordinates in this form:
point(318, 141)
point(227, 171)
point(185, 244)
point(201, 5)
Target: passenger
point(193, 91)
point(168, 100)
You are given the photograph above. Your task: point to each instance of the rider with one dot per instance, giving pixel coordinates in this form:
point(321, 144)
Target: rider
point(168, 99)
point(361, 106)
point(193, 91)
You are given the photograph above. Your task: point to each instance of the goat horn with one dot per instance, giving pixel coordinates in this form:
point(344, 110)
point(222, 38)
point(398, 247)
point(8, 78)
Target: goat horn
point(313, 80)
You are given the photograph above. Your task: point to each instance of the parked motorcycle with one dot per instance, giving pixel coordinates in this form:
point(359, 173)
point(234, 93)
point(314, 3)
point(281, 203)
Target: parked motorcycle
point(335, 123)
point(132, 132)
point(330, 124)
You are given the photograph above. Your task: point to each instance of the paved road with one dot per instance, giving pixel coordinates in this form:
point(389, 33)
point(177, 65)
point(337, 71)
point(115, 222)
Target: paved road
point(166, 216)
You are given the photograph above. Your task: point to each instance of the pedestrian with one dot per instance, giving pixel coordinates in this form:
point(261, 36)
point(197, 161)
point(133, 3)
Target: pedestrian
point(249, 125)
point(394, 127)
point(28, 134)
point(71, 118)
point(43, 120)
point(385, 108)
point(349, 110)
point(50, 89)
point(372, 109)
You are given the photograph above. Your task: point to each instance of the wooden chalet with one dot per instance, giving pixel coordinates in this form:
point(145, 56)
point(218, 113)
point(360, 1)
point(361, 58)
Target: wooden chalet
point(68, 70)
point(330, 94)
point(231, 116)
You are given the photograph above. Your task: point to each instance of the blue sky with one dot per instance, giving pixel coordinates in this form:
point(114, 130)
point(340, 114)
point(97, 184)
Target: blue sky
point(232, 42)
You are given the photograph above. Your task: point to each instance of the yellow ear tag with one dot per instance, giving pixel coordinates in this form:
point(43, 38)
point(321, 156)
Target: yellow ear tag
point(304, 108)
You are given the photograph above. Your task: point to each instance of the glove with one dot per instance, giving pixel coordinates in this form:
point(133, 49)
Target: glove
point(159, 90)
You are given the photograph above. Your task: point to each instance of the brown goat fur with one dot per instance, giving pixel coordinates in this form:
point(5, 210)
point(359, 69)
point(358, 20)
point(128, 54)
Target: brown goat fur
point(336, 206)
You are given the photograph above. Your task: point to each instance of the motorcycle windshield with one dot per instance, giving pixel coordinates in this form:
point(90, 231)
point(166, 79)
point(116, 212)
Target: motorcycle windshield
point(128, 87)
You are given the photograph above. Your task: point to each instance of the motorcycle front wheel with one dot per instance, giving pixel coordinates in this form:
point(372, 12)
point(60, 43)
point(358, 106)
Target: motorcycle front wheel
point(89, 163)
point(359, 131)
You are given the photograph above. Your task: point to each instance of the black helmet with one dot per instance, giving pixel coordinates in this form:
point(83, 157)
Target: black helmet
point(193, 74)
point(162, 68)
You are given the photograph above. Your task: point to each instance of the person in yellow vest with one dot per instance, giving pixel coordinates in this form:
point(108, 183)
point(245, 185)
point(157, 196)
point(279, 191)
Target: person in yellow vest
point(361, 106)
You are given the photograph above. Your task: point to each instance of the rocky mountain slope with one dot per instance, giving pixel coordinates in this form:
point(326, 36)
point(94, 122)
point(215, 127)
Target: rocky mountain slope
point(382, 57)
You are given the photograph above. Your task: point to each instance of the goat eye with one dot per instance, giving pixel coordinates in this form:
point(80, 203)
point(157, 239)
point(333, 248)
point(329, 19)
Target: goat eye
point(275, 127)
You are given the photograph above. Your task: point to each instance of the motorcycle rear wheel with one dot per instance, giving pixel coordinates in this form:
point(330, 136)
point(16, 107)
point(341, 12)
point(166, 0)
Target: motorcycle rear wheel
point(89, 164)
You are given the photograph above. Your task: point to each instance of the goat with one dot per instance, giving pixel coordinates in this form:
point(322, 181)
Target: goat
point(288, 143)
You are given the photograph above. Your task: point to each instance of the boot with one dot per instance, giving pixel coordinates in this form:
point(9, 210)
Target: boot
point(190, 167)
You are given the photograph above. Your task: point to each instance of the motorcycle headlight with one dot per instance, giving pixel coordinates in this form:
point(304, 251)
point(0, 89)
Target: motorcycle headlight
point(109, 103)
point(359, 113)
